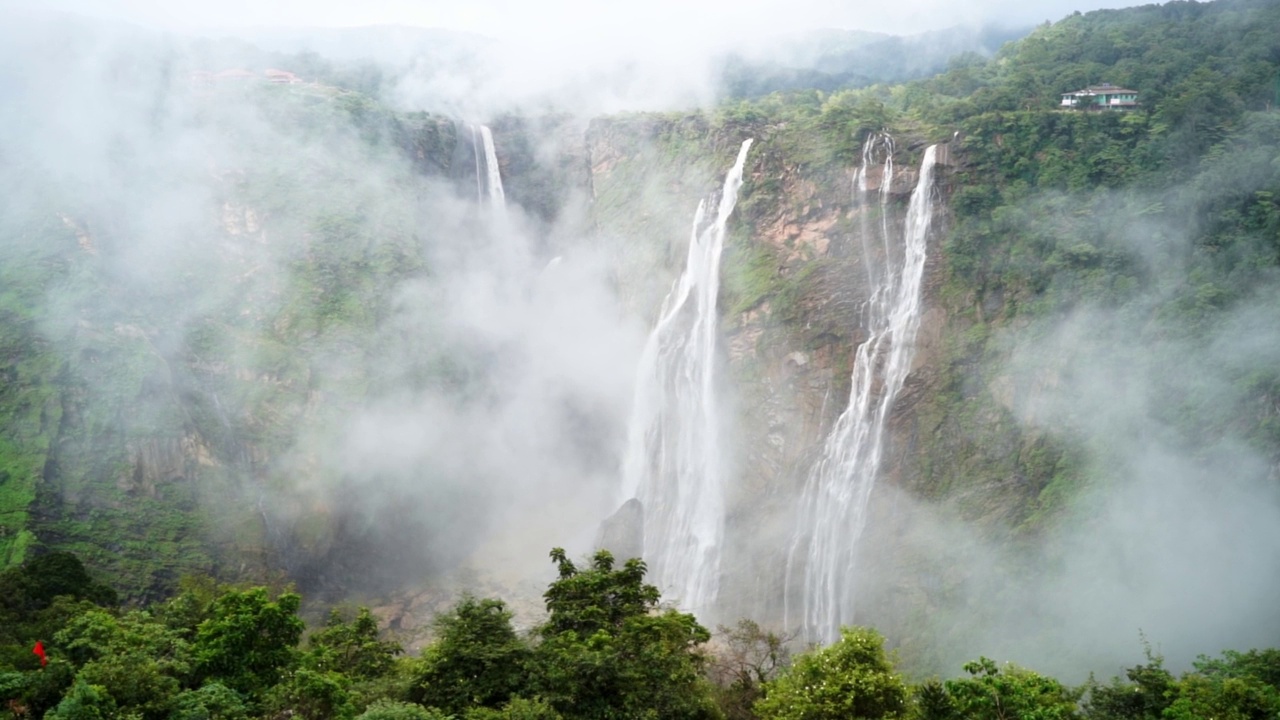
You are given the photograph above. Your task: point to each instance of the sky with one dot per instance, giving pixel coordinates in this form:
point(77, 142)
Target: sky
point(649, 20)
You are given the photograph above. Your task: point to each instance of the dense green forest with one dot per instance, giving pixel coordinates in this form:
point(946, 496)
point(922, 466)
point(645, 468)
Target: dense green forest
point(1161, 221)
point(607, 649)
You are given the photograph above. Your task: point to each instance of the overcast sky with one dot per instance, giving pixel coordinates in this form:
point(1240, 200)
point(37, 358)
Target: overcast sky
point(507, 19)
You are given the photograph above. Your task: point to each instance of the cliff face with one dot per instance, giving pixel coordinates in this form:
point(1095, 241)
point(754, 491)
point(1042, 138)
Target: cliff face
point(233, 407)
point(794, 284)
point(991, 511)
point(214, 422)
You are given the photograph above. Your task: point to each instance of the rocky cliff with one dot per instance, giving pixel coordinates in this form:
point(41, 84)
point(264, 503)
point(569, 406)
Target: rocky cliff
point(794, 284)
point(210, 415)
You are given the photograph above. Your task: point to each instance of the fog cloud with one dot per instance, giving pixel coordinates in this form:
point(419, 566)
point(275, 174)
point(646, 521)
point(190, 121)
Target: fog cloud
point(474, 394)
point(664, 22)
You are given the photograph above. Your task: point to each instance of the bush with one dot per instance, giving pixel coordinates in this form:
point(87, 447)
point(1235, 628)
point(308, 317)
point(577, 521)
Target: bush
point(392, 710)
point(849, 680)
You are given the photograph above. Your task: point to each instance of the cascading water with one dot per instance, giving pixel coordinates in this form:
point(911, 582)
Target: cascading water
point(497, 198)
point(673, 463)
point(877, 143)
point(475, 152)
point(834, 505)
point(492, 177)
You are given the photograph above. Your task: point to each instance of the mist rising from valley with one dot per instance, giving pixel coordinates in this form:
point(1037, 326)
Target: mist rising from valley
point(297, 307)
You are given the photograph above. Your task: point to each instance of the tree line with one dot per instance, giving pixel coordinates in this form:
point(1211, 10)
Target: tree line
point(607, 650)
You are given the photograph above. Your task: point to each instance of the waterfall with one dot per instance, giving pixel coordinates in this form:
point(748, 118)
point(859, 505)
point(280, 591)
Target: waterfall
point(833, 511)
point(673, 463)
point(881, 143)
point(497, 198)
point(475, 152)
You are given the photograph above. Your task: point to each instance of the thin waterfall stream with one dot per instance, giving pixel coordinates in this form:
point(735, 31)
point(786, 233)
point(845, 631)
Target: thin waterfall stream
point(497, 198)
point(821, 565)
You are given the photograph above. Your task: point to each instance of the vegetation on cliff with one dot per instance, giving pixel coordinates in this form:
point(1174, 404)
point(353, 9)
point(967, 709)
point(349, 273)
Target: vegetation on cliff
point(1105, 280)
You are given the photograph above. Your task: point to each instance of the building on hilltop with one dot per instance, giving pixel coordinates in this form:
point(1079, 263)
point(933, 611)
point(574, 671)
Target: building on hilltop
point(1101, 97)
point(281, 77)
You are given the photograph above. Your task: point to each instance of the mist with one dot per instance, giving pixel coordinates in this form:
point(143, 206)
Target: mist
point(1163, 532)
point(478, 60)
point(469, 392)
point(462, 406)
point(1180, 538)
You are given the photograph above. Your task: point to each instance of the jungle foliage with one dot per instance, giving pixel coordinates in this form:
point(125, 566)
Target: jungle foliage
point(607, 649)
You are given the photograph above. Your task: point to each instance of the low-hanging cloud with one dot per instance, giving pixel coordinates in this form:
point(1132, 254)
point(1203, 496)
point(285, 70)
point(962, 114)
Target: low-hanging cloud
point(475, 400)
point(1166, 527)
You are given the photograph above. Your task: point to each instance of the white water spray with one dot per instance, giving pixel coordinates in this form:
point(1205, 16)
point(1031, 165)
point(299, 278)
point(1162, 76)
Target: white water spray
point(833, 510)
point(673, 463)
point(475, 152)
point(497, 198)
point(876, 144)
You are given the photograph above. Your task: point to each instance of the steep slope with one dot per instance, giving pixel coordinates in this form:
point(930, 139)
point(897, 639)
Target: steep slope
point(795, 281)
point(1097, 413)
point(1083, 377)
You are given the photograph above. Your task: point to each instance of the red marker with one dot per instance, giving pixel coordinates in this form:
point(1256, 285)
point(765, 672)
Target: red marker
point(39, 650)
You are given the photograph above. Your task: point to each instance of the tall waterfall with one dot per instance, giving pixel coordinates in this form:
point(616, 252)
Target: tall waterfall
point(475, 152)
point(493, 176)
point(876, 144)
point(833, 510)
point(673, 463)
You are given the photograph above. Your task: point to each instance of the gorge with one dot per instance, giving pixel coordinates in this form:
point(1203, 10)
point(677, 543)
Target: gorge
point(935, 356)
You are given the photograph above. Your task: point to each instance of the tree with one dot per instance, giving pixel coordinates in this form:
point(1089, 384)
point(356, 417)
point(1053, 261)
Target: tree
point(993, 693)
point(930, 701)
point(97, 634)
point(44, 689)
point(84, 702)
point(33, 585)
point(478, 661)
point(249, 640)
point(139, 662)
point(606, 651)
point(599, 598)
point(1229, 698)
point(747, 657)
point(848, 680)
point(517, 709)
point(311, 695)
point(1261, 665)
point(191, 606)
point(136, 684)
point(1237, 686)
point(352, 648)
point(1145, 697)
point(213, 701)
point(393, 710)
